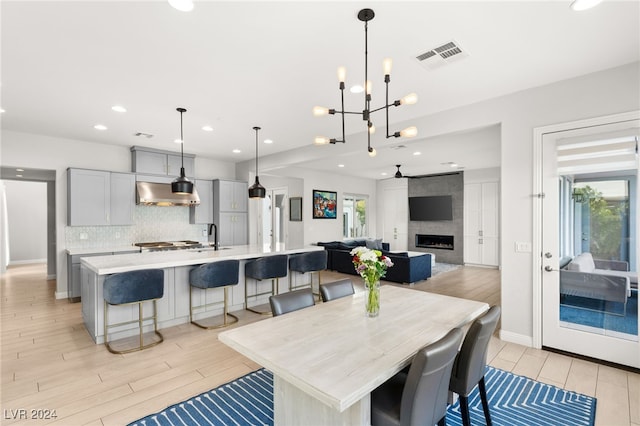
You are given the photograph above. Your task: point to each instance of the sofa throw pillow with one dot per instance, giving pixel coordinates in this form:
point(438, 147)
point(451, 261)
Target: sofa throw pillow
point(374, 244)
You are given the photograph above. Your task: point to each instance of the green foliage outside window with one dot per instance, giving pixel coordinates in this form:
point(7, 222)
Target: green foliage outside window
point(606, 222)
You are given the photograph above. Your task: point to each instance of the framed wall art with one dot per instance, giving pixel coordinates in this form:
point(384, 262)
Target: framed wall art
point(325, 204)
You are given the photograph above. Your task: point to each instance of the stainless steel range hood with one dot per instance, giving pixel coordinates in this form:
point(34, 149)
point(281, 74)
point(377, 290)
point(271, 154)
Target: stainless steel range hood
point(159, 194)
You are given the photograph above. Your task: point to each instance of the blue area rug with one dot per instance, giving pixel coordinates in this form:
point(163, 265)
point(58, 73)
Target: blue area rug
point(601, 314)
point(513, 400)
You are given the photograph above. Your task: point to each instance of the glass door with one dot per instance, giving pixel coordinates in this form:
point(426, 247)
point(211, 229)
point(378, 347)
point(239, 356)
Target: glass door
point(590, 242)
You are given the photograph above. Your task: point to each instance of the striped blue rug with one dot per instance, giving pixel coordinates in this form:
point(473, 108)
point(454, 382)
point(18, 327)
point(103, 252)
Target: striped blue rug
point(513, 400)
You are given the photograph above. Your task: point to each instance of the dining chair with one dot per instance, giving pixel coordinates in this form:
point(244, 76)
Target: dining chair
point(133, 288)
point(220, 274)
point(418, 397)
point(291, 301)
point(336, 289)
point(471, 362)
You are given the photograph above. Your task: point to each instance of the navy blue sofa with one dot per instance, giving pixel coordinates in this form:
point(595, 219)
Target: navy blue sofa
point(405, 269)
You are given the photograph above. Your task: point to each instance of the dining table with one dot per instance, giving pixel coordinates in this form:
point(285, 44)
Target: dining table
point(327, 359)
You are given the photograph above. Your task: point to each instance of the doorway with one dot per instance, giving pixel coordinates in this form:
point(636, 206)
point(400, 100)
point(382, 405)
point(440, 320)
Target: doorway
point(275, 213)
point(576, 302)
point(48, 177)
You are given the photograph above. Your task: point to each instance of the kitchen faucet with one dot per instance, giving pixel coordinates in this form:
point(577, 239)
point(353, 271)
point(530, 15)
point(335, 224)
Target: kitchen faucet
point(213, 227)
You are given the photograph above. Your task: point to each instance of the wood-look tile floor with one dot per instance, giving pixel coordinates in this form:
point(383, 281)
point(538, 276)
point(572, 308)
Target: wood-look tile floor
point(49, 362)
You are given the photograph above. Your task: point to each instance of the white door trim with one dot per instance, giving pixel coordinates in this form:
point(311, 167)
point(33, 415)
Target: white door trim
point(537, 194)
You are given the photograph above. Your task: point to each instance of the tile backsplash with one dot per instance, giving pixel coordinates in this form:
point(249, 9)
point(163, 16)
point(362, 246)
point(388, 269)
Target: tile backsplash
point(151, 223)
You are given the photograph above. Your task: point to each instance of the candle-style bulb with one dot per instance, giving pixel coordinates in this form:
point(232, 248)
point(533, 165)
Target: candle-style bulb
point(319, 111)
point(410, 99)
point(409, 132)
point(368, 87)
point(386, 66)
point(321, 140)
point(342, 74)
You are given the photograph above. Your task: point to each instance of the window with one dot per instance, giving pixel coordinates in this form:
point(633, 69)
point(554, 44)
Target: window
point(354, 216)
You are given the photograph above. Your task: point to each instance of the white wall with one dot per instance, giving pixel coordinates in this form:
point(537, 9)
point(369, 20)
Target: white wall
point(317, 229)
point(27, 220)
point(52, 153)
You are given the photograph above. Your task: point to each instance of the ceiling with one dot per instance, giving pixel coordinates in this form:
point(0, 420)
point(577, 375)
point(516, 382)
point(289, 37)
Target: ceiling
point(235, 65)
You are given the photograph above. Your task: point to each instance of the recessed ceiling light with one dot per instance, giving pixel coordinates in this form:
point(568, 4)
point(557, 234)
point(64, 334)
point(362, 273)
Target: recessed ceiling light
point(177, 140)
point(19, 170)
point(268, 141)
point(579, 5)
point(100, 127)
point(417, 153)
point(340, 165)
point(1, 110)
point(119, 108)
point(207, 128)
point(182, 5)
point(236, 151)
point(18, 175)
point(452, 165)
point(383, 173)
point(356, 89)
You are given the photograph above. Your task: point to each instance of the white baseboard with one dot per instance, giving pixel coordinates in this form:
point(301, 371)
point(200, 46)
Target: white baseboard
point(51, 277)
point(26, 262)
point(61, 295)
point(519, 339)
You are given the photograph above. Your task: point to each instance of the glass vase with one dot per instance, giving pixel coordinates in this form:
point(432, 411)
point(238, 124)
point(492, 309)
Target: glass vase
point(372, 298)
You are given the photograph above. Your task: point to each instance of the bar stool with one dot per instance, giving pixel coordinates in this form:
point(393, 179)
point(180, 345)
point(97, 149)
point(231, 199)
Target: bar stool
point(313, 261)
point(268, 267)
point(127, 288)
point(214, 275)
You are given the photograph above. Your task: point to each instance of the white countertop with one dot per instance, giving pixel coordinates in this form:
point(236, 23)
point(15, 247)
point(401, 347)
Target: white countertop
point(104, 265)
point(116, 249)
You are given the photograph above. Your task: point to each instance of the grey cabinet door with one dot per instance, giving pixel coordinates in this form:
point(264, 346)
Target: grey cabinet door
point(151, 162)
point(89, 194)
point(202, 213)
point(174, 162)
point(123, 198)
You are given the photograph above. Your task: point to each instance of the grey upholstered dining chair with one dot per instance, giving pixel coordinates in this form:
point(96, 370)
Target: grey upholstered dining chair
point(336, 289)
point(291, 301)
point(471, 362)
point(128, 288)
point(220, 274)
point(418, 397)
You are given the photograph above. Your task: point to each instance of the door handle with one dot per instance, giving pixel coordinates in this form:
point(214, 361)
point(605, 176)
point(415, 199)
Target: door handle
point(548, 255)
point(550, 269)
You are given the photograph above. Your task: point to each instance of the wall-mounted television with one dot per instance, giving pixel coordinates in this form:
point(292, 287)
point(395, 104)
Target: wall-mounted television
point(436, 207)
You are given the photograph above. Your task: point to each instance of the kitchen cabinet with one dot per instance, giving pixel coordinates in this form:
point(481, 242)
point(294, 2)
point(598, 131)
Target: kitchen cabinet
point(202, 213)
point(230, 196)
point(481, 223)
point(159, 162)
point(96, 197)
point(232, 229)
point(73, 272)
point(230, 205)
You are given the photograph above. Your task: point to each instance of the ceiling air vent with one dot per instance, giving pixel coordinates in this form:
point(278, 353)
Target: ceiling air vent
point(441, 55)
point(143, 135)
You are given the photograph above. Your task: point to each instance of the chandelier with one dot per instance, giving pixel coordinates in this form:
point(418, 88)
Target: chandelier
point(366, 15)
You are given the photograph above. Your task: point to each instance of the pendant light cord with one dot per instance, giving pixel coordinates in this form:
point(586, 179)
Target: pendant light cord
point(256, 129)
point(181, 143)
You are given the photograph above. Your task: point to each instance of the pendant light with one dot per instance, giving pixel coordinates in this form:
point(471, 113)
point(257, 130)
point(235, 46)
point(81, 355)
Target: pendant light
point(398, 175)
point(256, 190)
point(181, 185)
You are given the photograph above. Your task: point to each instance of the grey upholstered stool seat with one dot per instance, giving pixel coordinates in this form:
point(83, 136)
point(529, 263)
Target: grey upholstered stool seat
point(291, 301)
point(336, 289)
point(223, 274)
point(312, 262)
point(133, 287)
point(265, 268)
point(418, 397)
point(471, 362)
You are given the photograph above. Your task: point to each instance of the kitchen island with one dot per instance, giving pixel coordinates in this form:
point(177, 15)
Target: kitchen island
point(173, 308)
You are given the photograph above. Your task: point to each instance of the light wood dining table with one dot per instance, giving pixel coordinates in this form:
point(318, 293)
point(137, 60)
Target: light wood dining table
point(327, 359)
